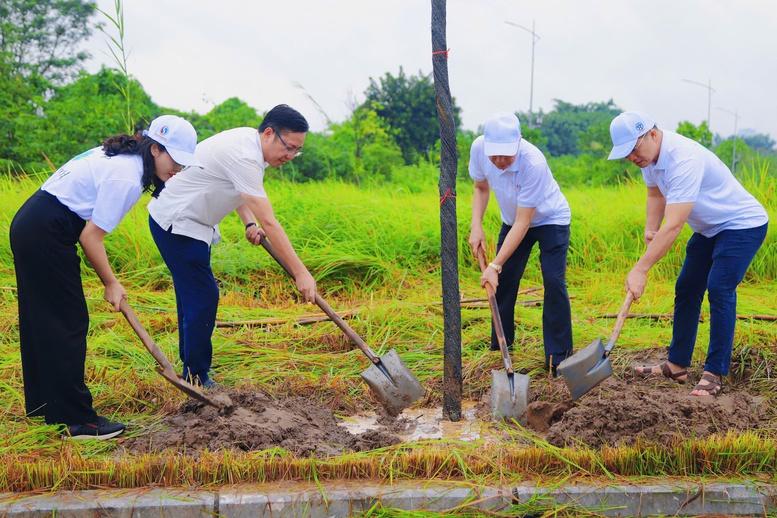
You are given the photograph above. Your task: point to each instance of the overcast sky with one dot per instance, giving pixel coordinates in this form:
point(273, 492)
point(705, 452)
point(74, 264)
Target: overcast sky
point(194, 54)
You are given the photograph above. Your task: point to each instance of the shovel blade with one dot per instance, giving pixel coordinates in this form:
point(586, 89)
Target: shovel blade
point(397, 393)
point(509, 403)
point(585, 369)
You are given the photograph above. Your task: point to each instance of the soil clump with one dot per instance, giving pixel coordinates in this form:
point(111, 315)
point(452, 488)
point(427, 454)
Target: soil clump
point(256, 422)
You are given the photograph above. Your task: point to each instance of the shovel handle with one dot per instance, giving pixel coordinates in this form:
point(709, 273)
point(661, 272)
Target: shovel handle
point(498, 329)
point(326, 308)
point(160, 358)
point(622, 314)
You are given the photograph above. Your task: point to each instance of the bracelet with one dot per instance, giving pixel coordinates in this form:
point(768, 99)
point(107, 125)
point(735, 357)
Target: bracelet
point(249, 225)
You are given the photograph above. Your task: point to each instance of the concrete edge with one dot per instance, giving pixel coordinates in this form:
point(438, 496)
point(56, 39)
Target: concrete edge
point(354, 497)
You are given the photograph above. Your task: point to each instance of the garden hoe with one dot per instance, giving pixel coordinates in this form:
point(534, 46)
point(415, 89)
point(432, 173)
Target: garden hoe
point(509, 392)
point(165, 368)
point(392, 383)
point(586, 369)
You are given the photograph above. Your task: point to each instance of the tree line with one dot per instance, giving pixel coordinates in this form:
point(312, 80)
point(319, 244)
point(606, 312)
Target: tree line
point(51, 109)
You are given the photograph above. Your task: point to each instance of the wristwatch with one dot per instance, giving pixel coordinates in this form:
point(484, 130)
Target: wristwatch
point(497, 267)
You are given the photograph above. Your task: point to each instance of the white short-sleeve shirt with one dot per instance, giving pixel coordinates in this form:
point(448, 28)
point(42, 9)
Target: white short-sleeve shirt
point(527, 183)
point(195, 201)
point(686, 172)
point(98, 188)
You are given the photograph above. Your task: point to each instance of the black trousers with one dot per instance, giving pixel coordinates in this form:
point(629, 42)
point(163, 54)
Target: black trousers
point(553, 241)
point(53, 317)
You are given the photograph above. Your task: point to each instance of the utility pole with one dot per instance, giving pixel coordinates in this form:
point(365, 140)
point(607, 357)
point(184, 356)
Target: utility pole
point(734, 152)
point(709, 96)
point(534, 40)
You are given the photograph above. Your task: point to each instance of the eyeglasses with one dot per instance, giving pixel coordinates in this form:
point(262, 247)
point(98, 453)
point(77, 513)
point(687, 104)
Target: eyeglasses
point(289, 152)
point(177, 167)
point(639, 143)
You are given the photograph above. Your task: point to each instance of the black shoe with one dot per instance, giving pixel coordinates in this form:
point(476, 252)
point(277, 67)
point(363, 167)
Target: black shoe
point(101, 430)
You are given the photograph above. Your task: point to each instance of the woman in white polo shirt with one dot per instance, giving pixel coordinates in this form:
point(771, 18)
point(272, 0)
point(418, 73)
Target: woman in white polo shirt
point(687, 183)
point(81, 202)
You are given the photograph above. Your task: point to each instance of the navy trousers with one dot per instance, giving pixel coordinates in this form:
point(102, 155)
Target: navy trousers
point(716, 265)
point(196, 295)
point(553, 241)
point(53, 317)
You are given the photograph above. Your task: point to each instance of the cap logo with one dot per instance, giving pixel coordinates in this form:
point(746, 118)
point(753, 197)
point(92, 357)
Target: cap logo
point(164, 130)
point(639, 126)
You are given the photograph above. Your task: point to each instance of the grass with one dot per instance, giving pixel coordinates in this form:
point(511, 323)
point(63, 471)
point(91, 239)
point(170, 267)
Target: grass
point(375, 250)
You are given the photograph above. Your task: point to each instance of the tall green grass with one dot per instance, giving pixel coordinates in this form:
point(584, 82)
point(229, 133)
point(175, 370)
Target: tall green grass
point(375, 249)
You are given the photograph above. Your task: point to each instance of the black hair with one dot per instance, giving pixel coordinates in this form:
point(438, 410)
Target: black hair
point(283, 117)
point(137, 144)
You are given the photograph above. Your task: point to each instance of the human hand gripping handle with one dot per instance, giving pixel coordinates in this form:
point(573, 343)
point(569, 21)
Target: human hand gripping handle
point(498, 329)
point(337, 319)
point(254, 233)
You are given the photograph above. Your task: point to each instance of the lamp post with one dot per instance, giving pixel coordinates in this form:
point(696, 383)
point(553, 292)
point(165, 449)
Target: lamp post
point(734, 152)
point(534, 40)
point(709, 96)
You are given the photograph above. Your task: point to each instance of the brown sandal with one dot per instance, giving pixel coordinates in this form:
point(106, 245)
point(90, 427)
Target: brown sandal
point(647, 370)
point(713, 387)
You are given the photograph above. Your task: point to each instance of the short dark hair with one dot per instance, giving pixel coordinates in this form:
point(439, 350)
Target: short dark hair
point(283, 117)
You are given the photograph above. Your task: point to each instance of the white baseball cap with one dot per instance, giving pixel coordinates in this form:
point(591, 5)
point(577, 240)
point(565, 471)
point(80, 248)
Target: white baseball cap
point(502, 135)
point(625, 129)
point(177, 135)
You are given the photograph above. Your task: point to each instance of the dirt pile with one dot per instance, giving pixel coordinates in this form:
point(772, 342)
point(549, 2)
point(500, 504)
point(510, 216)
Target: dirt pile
point(257, 422)
point(622, 411)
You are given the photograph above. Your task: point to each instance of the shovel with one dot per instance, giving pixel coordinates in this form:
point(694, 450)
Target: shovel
point(509, 392)
point(164, 368)
point(586, 369)
point(392, 383)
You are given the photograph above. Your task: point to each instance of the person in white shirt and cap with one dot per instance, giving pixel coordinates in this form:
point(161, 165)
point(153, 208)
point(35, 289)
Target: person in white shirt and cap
point(80, 203)
point(533, 211)
point(687, 183)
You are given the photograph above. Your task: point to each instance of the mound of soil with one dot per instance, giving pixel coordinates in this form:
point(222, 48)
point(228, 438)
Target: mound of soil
point(623, 411)
point(256, 422)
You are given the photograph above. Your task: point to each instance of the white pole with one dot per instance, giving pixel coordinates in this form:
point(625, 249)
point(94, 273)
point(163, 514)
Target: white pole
point(534, 40)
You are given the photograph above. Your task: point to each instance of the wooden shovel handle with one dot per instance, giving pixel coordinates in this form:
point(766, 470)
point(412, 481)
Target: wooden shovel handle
point(326, 308)
point(498, 329)
point(622, 314)
point(158, 355)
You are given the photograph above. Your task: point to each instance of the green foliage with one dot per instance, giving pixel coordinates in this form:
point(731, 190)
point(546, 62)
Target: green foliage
point(733, 153)
point(360, 149)
point(568, 124)
point(18, 113)
point(700, 133)
point(409, 106)
point(591, 170)
point(759, 143)
point(40, 38)
point(81, 115)
point(232, 113)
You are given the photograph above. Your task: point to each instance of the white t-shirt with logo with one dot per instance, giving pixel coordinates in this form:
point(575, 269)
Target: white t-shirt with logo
point(98, 188)
point(196, 200)
point(527, 183)
point(686, 172)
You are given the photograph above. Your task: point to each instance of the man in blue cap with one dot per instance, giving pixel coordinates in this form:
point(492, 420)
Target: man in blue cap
point(533, 210)
point(687, 183)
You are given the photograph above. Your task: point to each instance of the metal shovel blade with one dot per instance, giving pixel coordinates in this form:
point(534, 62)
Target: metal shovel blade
point(509, 402)
point(397, 393)
point(585, 369)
